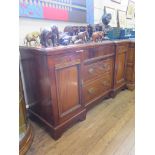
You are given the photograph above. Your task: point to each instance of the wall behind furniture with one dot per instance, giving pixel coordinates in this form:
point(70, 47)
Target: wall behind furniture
point(99, 7)
point(27, 25)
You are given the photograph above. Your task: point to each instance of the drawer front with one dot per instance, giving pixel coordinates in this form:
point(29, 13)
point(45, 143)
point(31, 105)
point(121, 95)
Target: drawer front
point(97, 87)
point(104, 50)
point(93, 70)
point(65, 58)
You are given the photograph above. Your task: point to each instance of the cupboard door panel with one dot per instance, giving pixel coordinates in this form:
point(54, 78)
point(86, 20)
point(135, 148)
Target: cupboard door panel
point(67, 82)
point(121, 67)
point(130, 76)
point(130, 69)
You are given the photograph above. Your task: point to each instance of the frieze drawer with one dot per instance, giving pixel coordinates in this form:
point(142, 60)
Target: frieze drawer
point(94, 70)
point(62, 60)
point(96, 88)
point(104, 50)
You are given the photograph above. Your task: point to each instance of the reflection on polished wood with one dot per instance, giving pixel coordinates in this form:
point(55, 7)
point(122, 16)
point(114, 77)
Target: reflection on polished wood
point(26, 141)
point(107, 130)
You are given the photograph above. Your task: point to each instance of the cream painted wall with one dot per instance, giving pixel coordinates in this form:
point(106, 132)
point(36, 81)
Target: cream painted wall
point(28, 25)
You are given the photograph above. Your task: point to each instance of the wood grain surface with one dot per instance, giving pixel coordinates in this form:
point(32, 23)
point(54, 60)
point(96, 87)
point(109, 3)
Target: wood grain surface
point(107, 130)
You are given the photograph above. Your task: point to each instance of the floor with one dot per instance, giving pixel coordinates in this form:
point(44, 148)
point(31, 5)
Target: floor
point(108, 130)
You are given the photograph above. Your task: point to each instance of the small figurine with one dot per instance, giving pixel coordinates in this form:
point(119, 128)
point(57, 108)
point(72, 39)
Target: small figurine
point(47, 35)
point(43, 38)
point(82, 29)
point(74, 38)
point(106, 18)
point(79, 41)
point(65, 40)
point(34, 36)
point(98, 27)
point(90, 31)
point(55, 35)
point(69, 30)
point(97, 36)
point(83, 36)
point(75, 30)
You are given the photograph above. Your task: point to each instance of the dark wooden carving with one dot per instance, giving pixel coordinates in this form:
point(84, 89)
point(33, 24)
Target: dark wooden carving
point(97, 36)
point(64, 82)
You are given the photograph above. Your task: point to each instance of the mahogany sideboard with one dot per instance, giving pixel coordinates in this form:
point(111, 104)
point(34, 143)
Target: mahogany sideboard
point(62, 83)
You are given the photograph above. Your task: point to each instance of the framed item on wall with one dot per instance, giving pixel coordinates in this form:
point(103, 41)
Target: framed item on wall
point(117, 1)
point(122, 19)
point(130, 23)
point(113, 12)
point(130, 10)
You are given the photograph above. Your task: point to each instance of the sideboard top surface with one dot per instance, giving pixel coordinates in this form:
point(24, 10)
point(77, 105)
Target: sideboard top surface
point(62, 49)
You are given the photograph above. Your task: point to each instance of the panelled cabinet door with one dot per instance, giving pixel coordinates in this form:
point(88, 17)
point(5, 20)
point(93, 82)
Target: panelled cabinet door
point(130, 69)
point(120, 66)
point(68, 83)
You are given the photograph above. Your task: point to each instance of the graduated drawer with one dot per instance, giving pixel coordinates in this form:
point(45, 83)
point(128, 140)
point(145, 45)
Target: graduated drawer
point(95, 69)
point(97, 87)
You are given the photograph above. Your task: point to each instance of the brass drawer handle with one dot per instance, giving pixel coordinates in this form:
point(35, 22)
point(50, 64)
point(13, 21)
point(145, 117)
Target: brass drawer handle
point(103, 67)
point(91, 91)
point(105, 83)
point(91, 70)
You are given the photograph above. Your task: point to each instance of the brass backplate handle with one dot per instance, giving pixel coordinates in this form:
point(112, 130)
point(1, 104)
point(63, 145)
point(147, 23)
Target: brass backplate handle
point(91, 90)
point(91, 70)
point(105, 83)
point(104, 66)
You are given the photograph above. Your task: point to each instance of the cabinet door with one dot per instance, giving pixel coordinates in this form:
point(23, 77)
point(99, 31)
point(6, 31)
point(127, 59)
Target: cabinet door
point(68, 88)
point(130, 69)
point(120, 66)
